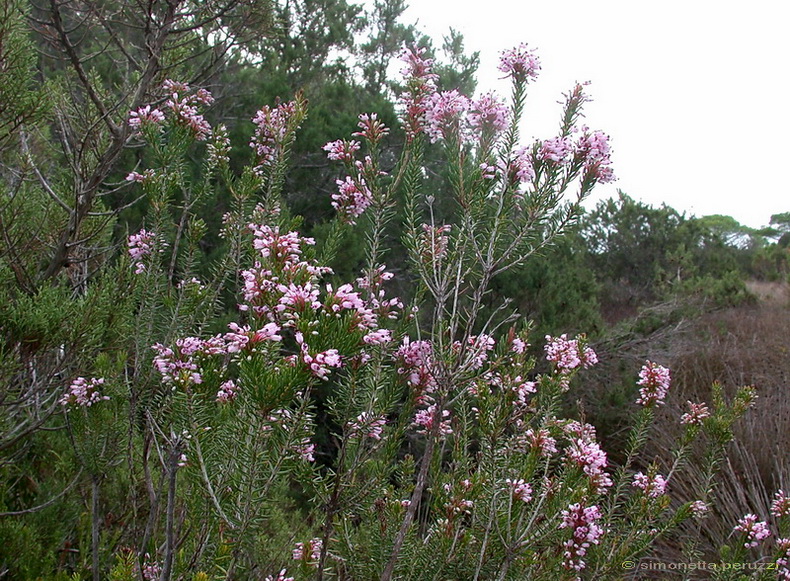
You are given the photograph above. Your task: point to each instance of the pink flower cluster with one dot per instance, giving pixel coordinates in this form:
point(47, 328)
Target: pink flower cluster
point(520, 489)
point(655, 380)
point(310, 553)
point(451, 114)
point(457, 504)
point(426, 419)
point(218, 148)
point(541, 441)
point(284, 249)
point(141, 178)
point(521, 170)
point(518, 345)
point(145, 116)
point(696, 414)
point(151, 569)
point(364, 313)
point(780, 507)
point(594, 148)
point(445, 115)
point(341, 150)
point(488, 114)
point(176, 366)
point(141, 245)
point(588, 455)
point(556, 150)
point(415, 359)
point(754, 530)
point(186, 107)
point(288, 292)
point(522, 389)
point(180, 365)
point(288, 287)
point(352, 199)
point(591, 152)
point(569, 354)
point(372, 283)
point(434, 241)
point(272, 126)
point(420, 84)
point(83, 392)
point(783, 562)
point(372, 128)
point(520, 63)
point(652, 487)
point(477, 349)
point(699, 509)
point(366, 425)
point(227, 391)
point(585, 531)
point(319, 364)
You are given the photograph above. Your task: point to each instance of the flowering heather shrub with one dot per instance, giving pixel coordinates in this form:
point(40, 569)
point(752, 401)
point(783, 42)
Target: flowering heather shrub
point(405, 441)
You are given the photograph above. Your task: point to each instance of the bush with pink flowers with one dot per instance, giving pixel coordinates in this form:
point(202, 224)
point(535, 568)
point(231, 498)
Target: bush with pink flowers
point(331, 430)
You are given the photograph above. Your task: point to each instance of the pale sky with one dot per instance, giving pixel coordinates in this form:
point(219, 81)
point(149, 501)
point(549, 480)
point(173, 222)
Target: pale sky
point(695, 94)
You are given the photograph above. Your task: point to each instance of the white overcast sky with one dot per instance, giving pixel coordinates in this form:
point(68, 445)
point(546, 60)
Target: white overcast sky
point(695, 94)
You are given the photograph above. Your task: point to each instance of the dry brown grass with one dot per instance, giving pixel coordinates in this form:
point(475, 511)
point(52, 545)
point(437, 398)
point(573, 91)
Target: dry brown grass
point(735, 347)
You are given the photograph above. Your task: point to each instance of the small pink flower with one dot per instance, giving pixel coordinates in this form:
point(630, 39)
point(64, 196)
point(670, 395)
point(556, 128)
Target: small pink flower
point(520, 489)
point(371, 127)
point(568, 354)
point(378, 337)
point(697, 412)
point(445, 115)
point(84, 392)
point(341, 150)
point(699, 509)
point(141, 178)
point(305, 450)
point(556, 150)
point(755, 531)
point(272, 126)
point(434, 242)
point(652, 487)
point(145, 115)
point(518, 346)
point(141, 244)
point(521, 167)
point(174, 87)
point(488, 114)
point(585, 531)
point(520, 63)
point(655, 380)
point(420, 84)
point(425, 420)
point(151, 569)
point(593, 148)
point(227, 392)
point(352, 199)
point(541, 441)
point(780, 507)
point(589, 456)
point(310, 553)
point(783, 562)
